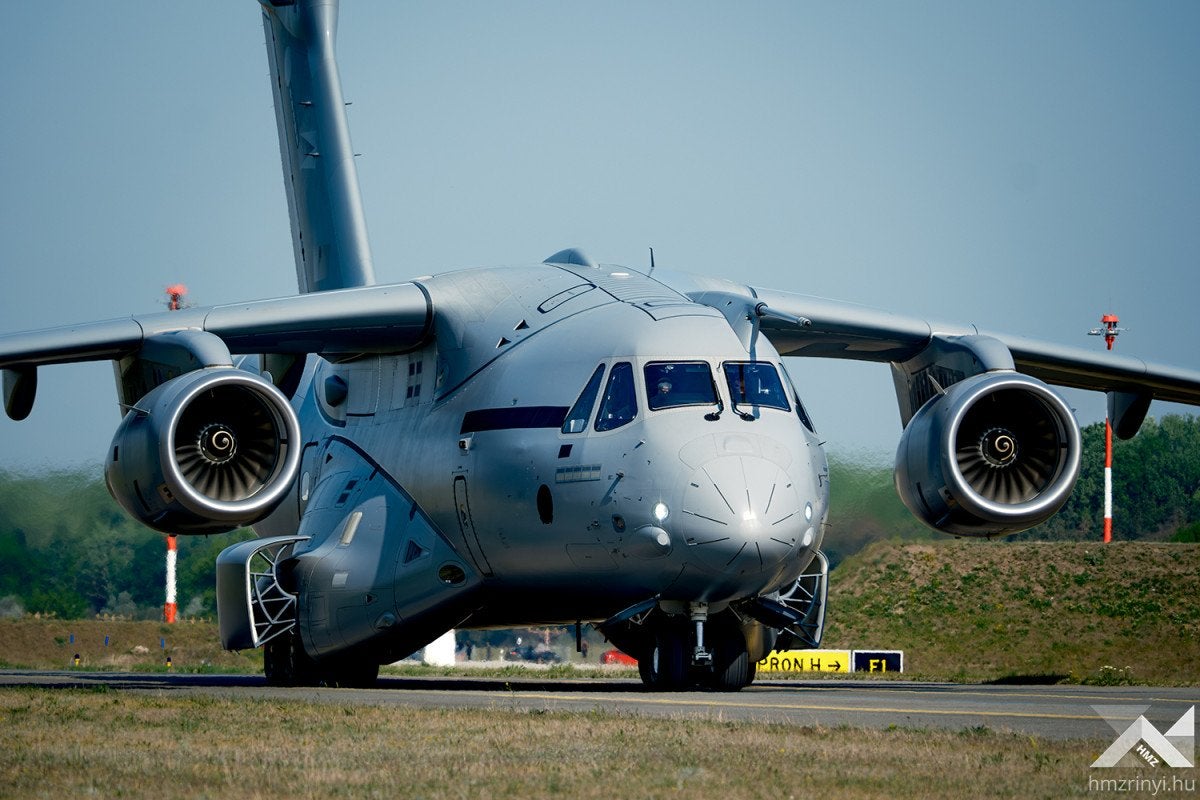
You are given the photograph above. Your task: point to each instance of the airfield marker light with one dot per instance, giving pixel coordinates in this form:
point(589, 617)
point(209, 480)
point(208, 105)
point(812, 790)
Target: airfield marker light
point(1110, 331)
point(175, 294)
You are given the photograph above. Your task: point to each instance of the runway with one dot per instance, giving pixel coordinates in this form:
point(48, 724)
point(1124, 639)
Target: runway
point(1058, 712)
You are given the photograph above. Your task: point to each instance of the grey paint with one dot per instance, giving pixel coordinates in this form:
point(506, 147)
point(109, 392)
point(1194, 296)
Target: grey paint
point(329, 231)
point(545, 525)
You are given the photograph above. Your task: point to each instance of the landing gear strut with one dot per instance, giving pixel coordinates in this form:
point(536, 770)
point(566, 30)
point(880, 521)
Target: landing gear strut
point(699, 614)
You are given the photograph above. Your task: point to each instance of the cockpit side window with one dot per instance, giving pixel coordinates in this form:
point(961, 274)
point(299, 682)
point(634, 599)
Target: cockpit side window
point(577, 417)
point(618, 406)
point(688, 383)
point(755, 383)
point(801, 411)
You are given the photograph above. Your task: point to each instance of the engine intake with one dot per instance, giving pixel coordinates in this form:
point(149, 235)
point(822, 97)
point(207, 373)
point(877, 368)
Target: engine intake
point(205, 452)
point(996, 454)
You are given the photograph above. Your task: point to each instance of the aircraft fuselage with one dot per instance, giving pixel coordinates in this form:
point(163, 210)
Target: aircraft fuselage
point(584, 438)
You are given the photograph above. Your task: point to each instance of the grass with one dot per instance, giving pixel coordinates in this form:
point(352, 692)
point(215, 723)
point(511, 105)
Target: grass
point(194, 647)
point(48, 643)
point(65, 743)
point(965, 610)
point(962, 611)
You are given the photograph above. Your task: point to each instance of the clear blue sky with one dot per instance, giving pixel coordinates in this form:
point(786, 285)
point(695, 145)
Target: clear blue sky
point(1023, 166)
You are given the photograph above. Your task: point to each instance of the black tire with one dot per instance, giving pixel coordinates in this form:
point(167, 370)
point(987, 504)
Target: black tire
point(286, 664)
point(732, 669)
point(664, 666)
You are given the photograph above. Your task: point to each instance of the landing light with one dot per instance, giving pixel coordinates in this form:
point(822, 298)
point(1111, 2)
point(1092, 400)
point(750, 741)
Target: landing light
point(661, 512)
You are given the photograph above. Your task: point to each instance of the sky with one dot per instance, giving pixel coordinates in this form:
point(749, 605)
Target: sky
point(1025, 166)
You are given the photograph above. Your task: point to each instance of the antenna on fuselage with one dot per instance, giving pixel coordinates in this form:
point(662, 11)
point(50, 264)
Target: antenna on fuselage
point(651, 272)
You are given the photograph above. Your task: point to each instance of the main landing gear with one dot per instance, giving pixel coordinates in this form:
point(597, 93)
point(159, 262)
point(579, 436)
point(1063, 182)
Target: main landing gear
point(286, 664)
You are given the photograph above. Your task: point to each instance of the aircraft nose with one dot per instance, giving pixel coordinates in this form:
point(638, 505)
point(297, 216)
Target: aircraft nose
point(742, 513)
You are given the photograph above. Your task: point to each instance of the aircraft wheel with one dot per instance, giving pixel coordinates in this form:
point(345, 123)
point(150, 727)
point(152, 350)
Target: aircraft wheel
point(286, 664)
point(665, 666)
point(732, 667)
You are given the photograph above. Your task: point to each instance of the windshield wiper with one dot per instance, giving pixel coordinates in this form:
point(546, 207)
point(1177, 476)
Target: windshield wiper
point(743, 414)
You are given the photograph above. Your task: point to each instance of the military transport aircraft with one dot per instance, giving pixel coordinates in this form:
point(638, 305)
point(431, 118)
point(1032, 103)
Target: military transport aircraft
point(560, 442)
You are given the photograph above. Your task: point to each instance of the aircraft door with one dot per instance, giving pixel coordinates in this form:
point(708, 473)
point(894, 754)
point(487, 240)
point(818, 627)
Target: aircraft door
point(466, 527)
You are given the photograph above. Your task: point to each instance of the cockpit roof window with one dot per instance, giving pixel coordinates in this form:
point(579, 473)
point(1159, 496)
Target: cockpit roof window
point(618, 404)
point(577, 417)
point(686, 383)
point(755, 383)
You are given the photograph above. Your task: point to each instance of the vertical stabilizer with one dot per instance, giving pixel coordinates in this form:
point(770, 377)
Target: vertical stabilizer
point(329, 232)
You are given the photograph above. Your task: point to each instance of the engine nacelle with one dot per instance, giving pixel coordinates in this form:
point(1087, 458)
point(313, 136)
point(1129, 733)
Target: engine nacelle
point(205, 452)
point(995, 454)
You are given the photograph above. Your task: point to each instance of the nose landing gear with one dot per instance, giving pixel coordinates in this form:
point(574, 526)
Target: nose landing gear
point(697, 651)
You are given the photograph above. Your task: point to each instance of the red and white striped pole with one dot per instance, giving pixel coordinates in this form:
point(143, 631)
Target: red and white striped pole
point(1109, 332)
point(170, 609)
point(175, 295)
point(1107, 480)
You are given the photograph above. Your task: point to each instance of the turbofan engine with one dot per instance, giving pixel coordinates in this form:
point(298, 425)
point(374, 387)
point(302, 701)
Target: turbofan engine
point(994, 454)
point(205, 452)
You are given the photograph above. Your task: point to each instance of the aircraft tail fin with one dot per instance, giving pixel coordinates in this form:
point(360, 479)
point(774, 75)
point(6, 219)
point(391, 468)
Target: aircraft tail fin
point(329, 231)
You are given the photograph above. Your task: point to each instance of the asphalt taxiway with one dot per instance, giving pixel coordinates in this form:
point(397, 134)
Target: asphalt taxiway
point(1058, 712)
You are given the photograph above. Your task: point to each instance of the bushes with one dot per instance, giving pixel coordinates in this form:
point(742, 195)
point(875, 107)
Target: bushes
point(68, 550)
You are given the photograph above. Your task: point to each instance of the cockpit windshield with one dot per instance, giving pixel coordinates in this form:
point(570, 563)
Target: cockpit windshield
point(801, 411)
point(577, 417)
point(687, 383)
point(618, 406)
point(755, 383)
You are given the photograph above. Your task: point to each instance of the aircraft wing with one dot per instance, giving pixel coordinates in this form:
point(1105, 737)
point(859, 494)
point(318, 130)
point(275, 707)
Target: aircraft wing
point(342, 323)
point(800, 325)
point(928, 356)
point(848, 330)
point(349, 321)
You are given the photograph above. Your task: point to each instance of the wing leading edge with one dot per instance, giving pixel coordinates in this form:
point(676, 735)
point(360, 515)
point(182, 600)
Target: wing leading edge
point(847, 330)
point(918, 350)
point(335, 324)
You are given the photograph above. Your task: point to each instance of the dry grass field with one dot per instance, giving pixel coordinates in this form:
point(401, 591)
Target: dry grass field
point(119, 645)
point(960, 610)
point(71, 743)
